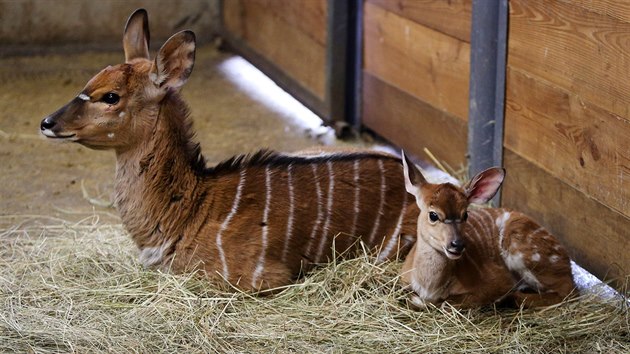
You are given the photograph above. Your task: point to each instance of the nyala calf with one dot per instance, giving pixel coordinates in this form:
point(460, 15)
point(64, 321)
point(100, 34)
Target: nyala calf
point(477, 257)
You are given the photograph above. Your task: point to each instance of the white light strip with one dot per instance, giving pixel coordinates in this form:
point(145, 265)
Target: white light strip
point(262, 89)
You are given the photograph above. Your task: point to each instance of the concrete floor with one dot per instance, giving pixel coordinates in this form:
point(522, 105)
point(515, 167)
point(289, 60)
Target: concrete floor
point(41, 177)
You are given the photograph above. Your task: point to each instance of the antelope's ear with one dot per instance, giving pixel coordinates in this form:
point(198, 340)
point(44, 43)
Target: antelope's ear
point(136, 36)
point(413, 177)
point(484, 185)
point(174, 61)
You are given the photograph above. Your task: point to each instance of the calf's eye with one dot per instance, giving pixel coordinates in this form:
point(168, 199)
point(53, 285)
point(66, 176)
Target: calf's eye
point(433, 216)
point(110, 98)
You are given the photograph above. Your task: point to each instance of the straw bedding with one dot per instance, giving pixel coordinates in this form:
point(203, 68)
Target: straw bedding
point(77, 287)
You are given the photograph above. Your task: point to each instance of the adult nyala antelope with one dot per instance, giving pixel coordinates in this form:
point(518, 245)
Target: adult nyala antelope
point(480, 256)
point(255, 220)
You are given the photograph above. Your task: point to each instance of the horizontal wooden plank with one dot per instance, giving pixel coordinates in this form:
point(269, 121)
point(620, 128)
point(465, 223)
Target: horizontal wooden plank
point(574, 140)
point(290, 49)
point(309, 16)
point(425, 63)
point(582, 51)
point(449, 17)
point(233, 17)
point(619, 10)
point(412, 124)
point(596, 236)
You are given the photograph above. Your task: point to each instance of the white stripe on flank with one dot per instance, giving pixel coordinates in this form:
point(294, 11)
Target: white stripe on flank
point(377, 222)
point(226, 222)
point(318, 220)
point(357, 192)
point(287, 238)
point(500, 222)
point(329, 205)
point(476, 218)
point(540, 229)
point(265, 231)
point(393, 240)
point(486, 225)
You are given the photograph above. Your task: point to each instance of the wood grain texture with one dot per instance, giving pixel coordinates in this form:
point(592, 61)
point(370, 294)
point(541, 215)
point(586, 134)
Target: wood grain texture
point(233, 17)
point(573, 140)
point(449, 17)
point(308, 16)
point(582, 51)
point(425, 63)
point(412, 124)
point(596, 236)
point(619, 10)
point(290, 49)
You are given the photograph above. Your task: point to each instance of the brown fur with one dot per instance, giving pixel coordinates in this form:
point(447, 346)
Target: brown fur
point(476, 257)
point(185, 216)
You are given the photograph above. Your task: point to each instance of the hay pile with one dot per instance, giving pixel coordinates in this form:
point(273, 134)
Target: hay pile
point(76, 287)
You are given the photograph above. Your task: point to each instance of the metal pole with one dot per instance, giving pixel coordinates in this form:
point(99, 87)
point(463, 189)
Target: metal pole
point(488, 41)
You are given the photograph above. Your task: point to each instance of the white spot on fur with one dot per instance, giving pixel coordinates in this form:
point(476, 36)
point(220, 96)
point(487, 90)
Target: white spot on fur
point(536, 257)
point(150, 256)
point(110, 135)
point(515, 263)
point(83, 97)
point(554, 258)
point(500, 222)
point(154, 78)
point(121, 114)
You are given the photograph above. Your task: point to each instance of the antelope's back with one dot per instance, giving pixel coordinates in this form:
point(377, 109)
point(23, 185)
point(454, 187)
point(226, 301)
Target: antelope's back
point(292, 209)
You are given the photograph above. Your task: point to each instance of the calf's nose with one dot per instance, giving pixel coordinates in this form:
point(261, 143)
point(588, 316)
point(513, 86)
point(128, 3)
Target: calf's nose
point(458, 245)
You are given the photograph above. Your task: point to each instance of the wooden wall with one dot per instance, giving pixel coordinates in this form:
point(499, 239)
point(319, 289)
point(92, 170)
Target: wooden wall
point(567, 106)
point(567, 125)
point(290, 34)
point(416, 61)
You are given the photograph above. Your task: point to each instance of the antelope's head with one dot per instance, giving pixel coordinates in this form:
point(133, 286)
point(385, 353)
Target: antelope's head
point(118, 107)
point(443, 207)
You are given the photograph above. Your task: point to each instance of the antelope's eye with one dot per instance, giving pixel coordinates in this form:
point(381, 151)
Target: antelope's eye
point(465, 217)
point(110, 98)
point(433, 216)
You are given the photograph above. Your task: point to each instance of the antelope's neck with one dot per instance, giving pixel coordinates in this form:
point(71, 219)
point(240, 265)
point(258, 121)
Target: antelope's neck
point(156, 180)
point(433, 272)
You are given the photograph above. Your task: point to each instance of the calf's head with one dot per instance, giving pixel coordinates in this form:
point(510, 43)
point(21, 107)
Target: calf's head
point(443, 207)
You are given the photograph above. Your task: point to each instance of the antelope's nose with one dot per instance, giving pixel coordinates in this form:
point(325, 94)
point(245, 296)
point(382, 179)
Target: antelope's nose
point(47, 123)
point(457, 245)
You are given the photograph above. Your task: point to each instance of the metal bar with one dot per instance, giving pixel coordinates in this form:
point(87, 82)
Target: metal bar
point(488, 43)
point(354, 94)
point(337, 60)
